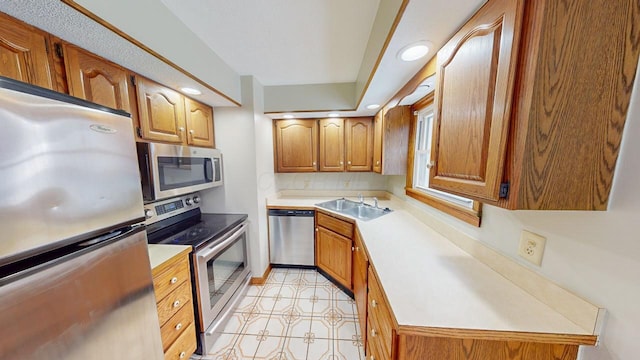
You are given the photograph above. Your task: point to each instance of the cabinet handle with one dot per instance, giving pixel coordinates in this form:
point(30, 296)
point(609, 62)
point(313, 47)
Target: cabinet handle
point(348, 162)
point(431, 164)
point(182, 355)
point(357, 248)
point(314, 163)
point(316, 229)
point(179, 326)
point(372, 357)
point(374, 303)
point(377, 162)
point(373, 333)
point(341, 162)
point(174, 280)
point(181, 129)
point(353, 248)
point(176, 303)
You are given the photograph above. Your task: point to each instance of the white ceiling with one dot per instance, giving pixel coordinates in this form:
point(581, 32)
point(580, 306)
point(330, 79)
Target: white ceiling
point(284, 42)
point(279, 42)
point(292, 42)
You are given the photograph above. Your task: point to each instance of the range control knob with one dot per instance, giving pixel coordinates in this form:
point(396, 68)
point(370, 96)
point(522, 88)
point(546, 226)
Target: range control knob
point(148, 213)
point(196, 199)
point(188, 201)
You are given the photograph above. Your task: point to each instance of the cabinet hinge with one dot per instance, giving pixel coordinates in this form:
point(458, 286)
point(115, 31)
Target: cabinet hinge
point(504, 190)
point(139, 131)
point(58, 49)
point(133, 80)
point(415, 113)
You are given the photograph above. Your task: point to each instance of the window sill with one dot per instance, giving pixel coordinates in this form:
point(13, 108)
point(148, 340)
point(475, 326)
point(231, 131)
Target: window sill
point(470, 216)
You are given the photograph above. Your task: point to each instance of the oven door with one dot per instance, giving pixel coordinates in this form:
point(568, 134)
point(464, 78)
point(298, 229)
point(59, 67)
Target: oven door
point(221, 268)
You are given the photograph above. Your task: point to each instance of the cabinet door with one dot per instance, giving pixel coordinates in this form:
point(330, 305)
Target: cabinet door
point(161, 112)
point(296, 144)
point(333, 255)
point(360, 266)
point(23, 53)
point(474, 87)
point(199, 124)
point(97, 80)
point(331, 144)
point(359, 144)
point(377, 142)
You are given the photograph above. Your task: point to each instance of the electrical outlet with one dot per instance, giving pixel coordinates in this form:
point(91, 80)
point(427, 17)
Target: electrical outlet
point(531, 247)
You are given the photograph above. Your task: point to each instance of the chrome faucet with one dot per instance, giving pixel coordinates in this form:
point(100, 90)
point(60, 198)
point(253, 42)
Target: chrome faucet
point(361, 198)
point(375, 202)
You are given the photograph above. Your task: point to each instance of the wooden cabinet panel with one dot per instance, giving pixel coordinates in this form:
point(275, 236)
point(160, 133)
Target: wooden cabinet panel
point(360, 266)
point(23, 53)
point(176, 326)
point(333, 255)
point(341, 227)
point(391, 140)
point(199, 124)
point(171, 279)
point(331, 144)
point(162, 115)
point(359, 144)
point(170, 305)
point(473, 100)
point(531, 100)
point(379, 316)
point(296, 144)
point(97, 80)
point(184, 346)
point(377, 142)
point(441, 348)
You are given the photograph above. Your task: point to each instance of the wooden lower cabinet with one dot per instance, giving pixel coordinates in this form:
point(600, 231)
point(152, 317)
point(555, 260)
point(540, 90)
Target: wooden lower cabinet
point(359, 272)
point(418, 347)
point(172, 287)
point(334, 248)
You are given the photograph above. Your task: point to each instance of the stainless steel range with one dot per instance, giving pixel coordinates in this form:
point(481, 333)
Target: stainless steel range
point(219, 262)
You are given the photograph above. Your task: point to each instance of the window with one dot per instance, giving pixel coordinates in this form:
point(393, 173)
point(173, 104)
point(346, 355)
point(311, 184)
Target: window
point(418, 169)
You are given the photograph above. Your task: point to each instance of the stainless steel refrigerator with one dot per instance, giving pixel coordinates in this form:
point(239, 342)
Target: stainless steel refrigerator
point(75, 280)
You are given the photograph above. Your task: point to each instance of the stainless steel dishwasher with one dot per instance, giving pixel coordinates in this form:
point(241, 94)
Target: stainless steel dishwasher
point(291, 237)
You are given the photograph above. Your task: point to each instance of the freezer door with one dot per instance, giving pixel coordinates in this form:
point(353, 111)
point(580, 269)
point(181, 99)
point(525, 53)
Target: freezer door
point(96, 304)
point(69, 172)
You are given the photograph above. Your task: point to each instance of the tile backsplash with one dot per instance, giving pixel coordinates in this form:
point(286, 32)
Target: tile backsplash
point(330, 181)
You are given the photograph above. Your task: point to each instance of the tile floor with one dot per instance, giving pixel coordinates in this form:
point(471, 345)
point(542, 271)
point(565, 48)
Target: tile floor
point(296, 315)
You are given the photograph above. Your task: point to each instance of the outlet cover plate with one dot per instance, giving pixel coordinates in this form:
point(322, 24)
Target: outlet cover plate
point(531, 247)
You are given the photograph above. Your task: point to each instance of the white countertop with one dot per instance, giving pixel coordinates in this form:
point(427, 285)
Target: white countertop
point(159, 253)
point(430, 282)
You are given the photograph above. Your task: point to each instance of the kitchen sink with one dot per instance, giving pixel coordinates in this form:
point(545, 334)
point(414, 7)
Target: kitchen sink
point(354, 209)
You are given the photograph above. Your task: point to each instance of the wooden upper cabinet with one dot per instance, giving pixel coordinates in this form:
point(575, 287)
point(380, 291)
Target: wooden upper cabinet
point(199, 124)
point(359, 144)
point(377, 142)
point(24, 53)
point(531, 100)
point(162, 112)
point(331, 144)
point(296, 143)
point(97, 80)
point(391, 140)
point(473, 97)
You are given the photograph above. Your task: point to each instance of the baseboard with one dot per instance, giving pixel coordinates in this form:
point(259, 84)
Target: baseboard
point(261, 280)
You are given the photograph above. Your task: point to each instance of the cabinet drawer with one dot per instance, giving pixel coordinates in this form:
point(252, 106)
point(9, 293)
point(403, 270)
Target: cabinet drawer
point(379, 315)
point(176, 325)
point(184, 346)
point(375, 348)
point(336, 225)
point(171, 304)
point(171, 279)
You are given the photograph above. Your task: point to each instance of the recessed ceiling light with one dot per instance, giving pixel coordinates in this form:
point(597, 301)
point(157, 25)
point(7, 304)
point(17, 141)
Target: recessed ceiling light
point(373, 106)
point(190, 91)
point(414, 51)
point(288, 116)
point(333, 115)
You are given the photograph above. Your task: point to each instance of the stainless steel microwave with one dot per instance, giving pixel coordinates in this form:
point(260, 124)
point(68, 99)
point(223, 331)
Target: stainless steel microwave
point(172, 170)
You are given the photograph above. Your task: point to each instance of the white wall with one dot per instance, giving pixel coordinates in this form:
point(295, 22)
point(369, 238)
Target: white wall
point(248, 176)
point(330, 181)
point(594, 254)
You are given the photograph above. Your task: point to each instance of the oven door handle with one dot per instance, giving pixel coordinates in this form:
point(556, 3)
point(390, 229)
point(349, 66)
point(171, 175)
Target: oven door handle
point(216, 248)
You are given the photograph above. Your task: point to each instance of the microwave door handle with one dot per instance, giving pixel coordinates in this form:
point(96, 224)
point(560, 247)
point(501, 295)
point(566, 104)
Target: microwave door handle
point(208, 170)
point(223, 244)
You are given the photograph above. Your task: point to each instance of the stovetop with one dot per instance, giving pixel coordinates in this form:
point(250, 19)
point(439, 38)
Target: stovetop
point(193, 228)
